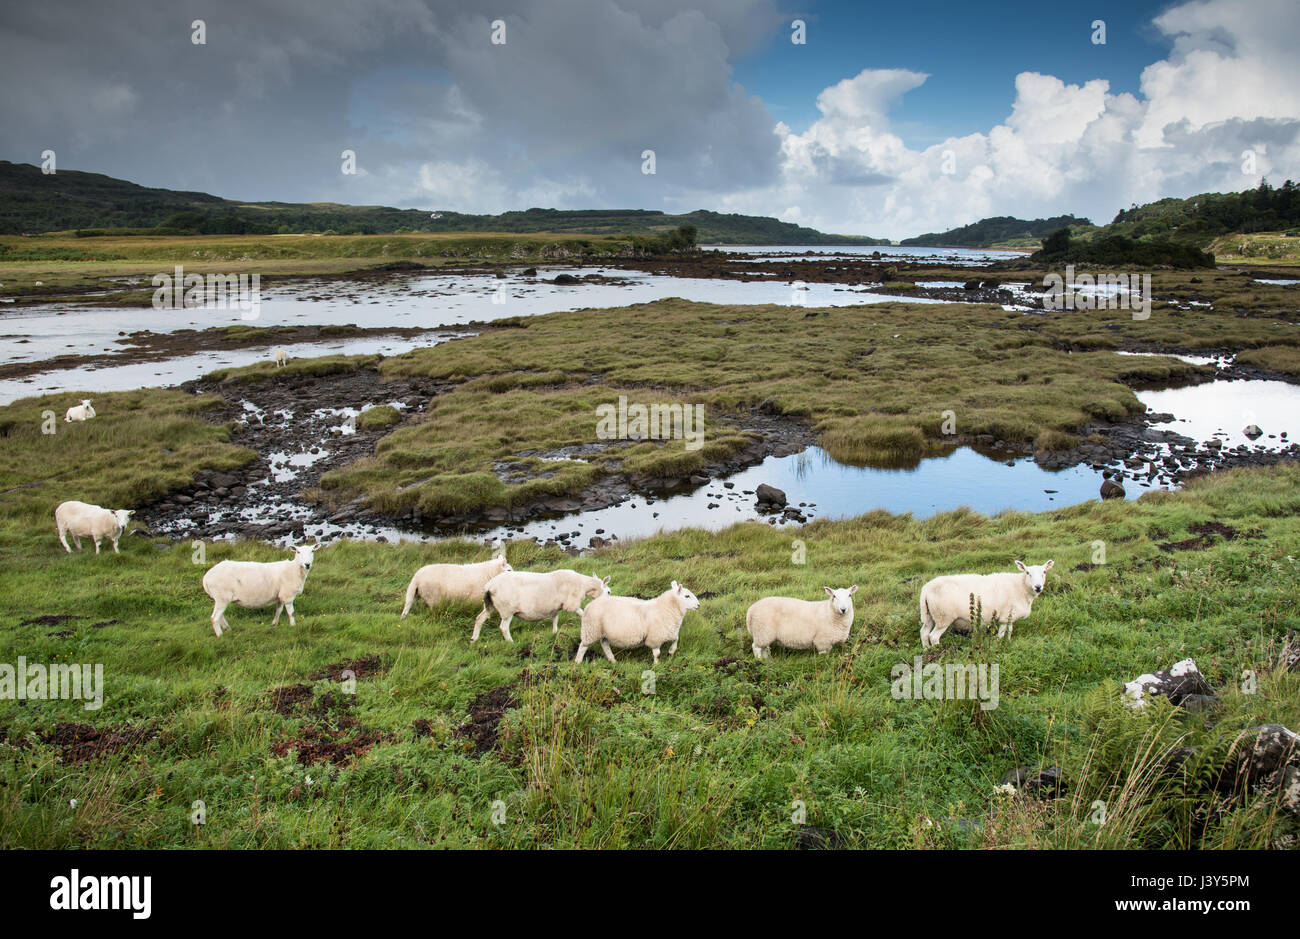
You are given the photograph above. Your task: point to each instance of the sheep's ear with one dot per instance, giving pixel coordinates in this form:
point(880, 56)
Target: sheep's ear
point(605, 581)
point(677, 588)
point(853, 590)
point(1048, 565)
point(829, 591)
point(1020, 564)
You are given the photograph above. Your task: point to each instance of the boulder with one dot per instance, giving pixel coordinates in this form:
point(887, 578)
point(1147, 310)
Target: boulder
point(566, 279)
point(1035, 780)
point(1253, 431)
point(770, 495)
point(1111, 489)
point(1179, 681)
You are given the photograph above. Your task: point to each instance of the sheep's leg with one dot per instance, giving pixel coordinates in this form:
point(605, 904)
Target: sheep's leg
point(115, 551)
point(758, 651)
point(609, 653)
point(478, 623)
point(276, 619)
point(289, 606)
point(218, 617)
point(672, 649)
point(63, 539)
point(582, 652)
point(505, 627)
point(77, 541)
point(1007, 629)
point(925, 635)
point(555, 623)
point(936, 633)
point(97, 544)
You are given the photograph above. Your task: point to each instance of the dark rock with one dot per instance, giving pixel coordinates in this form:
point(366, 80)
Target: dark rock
point(770, 495)
point(1175, 683)
point(1111, 489)
point(1035, 780)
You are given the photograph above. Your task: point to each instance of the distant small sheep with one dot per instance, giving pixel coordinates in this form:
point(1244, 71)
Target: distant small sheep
point(629, 622)
point(281, 357)
point(80, 412)
point(435, 583)
point(801, 624)
point(536, 596)
point(82, 520)
point(1006, 597)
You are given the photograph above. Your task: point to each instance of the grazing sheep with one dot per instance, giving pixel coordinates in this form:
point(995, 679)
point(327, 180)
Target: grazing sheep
point(80, 412)
point(1005, 597)
point(534, 597)
point(281, 357)
point(82, 520)
point(628, 622)
point(801, 624)
point(434, 583)
point(258, 583)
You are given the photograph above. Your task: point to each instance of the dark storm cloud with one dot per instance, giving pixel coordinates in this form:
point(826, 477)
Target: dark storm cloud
point(436, 113)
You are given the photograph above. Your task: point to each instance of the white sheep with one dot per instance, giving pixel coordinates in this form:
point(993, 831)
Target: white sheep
point(801, 624)
point(629, 622)
point(434, 583)
point(1006, 597)
point(281, 357)
point(536, 596)
point(79, 412)
point(257, 584)
point(82, 520)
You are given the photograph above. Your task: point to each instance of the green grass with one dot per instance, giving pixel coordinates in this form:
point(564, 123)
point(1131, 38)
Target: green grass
point(718, 754)
point(142, 445)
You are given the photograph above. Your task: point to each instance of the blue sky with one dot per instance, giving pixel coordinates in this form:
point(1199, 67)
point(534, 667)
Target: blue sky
point(972, 52)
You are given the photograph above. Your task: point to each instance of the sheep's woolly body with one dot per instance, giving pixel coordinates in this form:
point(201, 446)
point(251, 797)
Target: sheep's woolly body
point(256, 584)
point(536, 596)
point(629, 622)
point(80, 412)
point(82, 520)
point(797, 624)
point(1005, 597)
point(465, 583)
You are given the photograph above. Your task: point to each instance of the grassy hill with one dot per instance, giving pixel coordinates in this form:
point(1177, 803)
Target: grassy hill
point(1002, 231)
point(32, 202)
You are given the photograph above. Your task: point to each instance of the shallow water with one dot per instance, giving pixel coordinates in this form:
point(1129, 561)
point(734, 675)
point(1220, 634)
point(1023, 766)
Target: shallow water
point(829, 489)
point(1223, 409)
point(427, 301)
point(174, 371)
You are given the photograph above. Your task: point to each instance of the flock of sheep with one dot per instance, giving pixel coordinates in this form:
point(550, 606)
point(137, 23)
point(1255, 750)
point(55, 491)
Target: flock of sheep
point(614, 622)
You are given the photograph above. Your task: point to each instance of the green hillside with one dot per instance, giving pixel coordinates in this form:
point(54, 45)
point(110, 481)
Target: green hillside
point(32, 203)
point(1003, 230)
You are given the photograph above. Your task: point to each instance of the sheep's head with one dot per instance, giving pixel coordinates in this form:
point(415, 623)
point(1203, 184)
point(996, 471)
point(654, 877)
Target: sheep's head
point(596, 588)
point(1035, 576)
point(503, 566)
point(123, 517)
point(842, 599)
point(305, 554)
point(85, 402)
point(689, 600)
